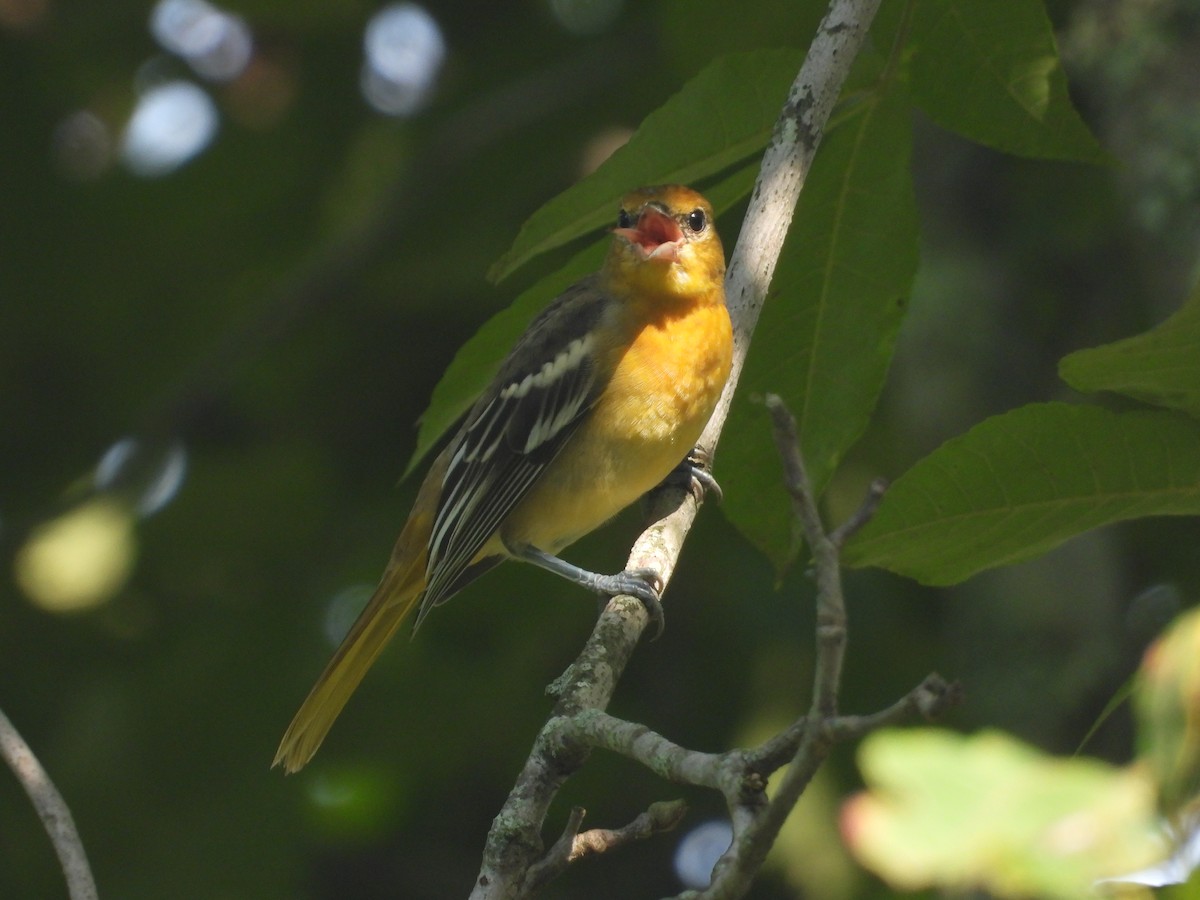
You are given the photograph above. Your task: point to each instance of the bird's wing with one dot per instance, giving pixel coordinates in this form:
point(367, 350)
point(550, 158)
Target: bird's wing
point(536, 401)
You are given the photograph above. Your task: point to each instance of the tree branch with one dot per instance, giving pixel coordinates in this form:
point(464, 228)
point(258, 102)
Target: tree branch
point(575, 845)
point(514, 843)
point(56, 817)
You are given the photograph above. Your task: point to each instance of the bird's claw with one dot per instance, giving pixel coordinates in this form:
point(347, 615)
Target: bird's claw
point(645, 585)
point(695, 474)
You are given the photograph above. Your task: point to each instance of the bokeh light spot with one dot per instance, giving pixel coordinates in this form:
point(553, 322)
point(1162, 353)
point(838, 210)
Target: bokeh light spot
point(79, 560)
point(82, 146)
point(171, 123)
point(584, 17)
point(699, 850)
point(215, 43)
point(404, 51)
point(262, 94)
point(23, 15)
point(601, 146)
point(151, 479)
point(343, 609)
point(354, 803)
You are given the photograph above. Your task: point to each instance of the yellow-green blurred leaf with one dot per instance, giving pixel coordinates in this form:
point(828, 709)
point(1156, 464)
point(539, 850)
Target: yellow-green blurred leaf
point(1167, 702)
point(954, 812)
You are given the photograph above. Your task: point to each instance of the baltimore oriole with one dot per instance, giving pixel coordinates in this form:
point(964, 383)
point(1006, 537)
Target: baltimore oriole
point(601, 399)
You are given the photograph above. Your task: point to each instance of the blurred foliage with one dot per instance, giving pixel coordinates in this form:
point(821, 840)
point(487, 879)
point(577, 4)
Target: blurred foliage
point(1167, 702)
point(281, 308)
point(987, 811)
point(961, 813)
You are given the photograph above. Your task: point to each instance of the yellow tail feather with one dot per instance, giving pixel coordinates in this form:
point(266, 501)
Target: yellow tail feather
point(400, 589)
point(397, 594)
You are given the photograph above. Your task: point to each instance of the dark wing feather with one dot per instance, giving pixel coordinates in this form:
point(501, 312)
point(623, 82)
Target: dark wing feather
point(537, 400)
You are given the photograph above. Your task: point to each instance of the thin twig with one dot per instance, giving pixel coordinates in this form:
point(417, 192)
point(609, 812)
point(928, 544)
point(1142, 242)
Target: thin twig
point(831, 607)
point(737, 868)
point(559, 856)
point(575, 845)
point(55, 815)
point(862, 515)
point(929, 700)
point(660, 817)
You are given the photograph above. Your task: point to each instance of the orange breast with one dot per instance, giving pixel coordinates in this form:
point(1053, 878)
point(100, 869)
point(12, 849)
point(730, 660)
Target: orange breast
point(662, 394)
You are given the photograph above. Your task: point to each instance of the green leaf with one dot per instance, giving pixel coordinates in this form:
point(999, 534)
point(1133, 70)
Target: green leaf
point(722, 116)
point(991, 72)
point(1161, 367)
point(828, 329)
point(693, 31)
point(1020, 483)
point(960, 813)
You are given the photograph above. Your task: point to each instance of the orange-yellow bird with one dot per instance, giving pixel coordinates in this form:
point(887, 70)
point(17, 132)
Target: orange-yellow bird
point(602, 398)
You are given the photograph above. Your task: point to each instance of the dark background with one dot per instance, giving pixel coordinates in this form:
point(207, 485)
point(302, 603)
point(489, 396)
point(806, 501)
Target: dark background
point(279, 308)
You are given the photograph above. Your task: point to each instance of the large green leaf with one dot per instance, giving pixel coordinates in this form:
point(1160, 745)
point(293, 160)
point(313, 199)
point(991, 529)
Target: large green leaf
point(722, 116)
point(1161, 367)
point(1023, 482)
point(960, 813)
point(991, 72)
point(827, 332)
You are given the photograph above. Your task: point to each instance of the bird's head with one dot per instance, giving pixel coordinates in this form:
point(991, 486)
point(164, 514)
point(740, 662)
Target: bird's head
point(666, 243)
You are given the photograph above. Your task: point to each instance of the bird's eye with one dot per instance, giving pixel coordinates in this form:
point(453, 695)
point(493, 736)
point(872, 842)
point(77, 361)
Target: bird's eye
point(695, 220)
point(624, 219)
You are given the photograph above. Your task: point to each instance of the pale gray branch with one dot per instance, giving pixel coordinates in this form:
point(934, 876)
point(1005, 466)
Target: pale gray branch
point(55, 815)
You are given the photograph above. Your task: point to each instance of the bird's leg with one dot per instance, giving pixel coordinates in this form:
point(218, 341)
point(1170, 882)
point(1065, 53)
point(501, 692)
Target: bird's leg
point(641, 583)
point(695, 474)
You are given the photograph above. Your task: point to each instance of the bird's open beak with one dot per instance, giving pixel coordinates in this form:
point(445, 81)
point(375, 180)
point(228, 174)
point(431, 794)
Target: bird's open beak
point(656, 235)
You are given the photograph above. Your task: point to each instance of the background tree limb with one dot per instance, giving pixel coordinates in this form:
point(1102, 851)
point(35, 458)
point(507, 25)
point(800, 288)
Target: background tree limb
point(51, 808)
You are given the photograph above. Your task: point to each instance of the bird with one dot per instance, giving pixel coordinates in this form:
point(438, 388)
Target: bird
point(601, 399)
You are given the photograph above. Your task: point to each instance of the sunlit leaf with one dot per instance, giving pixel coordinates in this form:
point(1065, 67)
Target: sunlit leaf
point(722, 116)
point(828, 329)
point(991, 72)
point(961, 813)
point(1161, 367)
point(1167, 702)
point(1023, 482)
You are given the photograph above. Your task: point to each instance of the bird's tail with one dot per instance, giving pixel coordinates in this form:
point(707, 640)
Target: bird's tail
point(399, 591)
